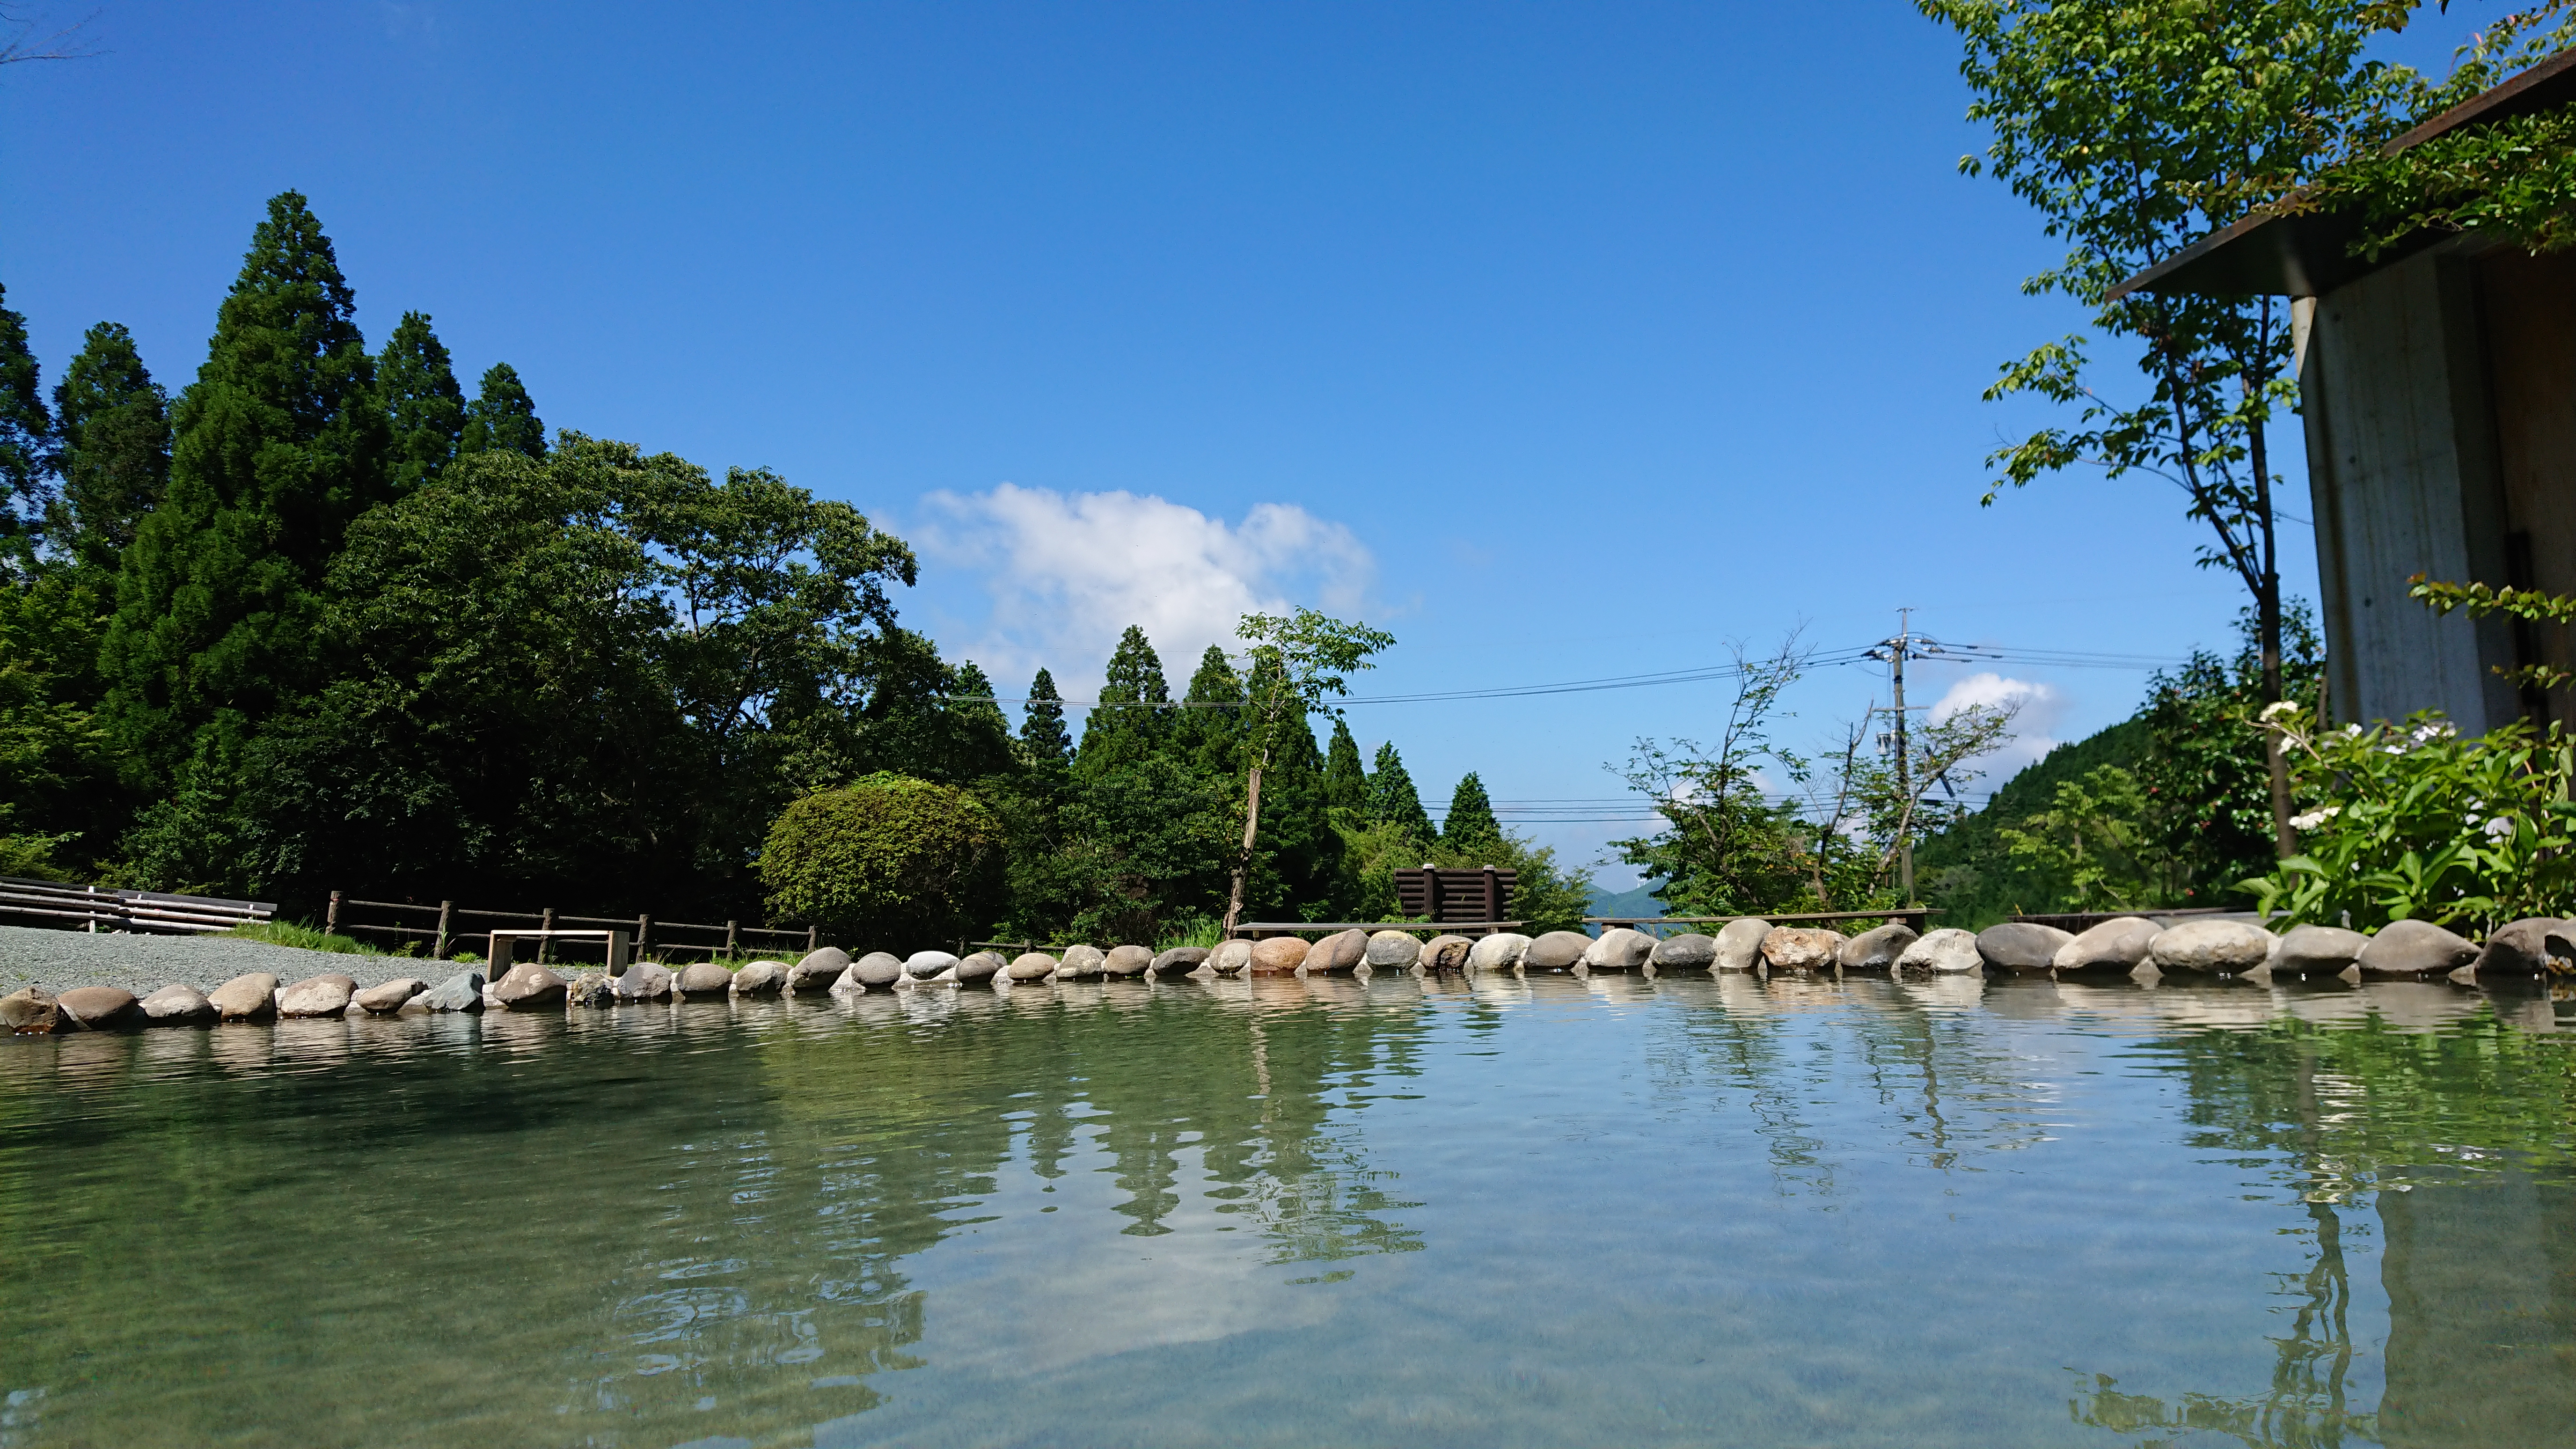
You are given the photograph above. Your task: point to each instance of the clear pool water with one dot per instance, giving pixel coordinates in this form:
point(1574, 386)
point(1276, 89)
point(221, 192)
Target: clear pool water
point(1623, 1211)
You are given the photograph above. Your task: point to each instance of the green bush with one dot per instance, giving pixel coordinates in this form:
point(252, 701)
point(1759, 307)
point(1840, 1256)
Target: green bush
point(886, 861)
point(2422, 822)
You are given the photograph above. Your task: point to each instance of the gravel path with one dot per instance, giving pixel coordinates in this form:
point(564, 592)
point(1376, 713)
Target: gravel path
point(60, 960)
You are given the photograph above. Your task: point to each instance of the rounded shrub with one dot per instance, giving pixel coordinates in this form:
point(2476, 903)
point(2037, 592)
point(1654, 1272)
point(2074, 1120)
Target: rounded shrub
point(886, 860)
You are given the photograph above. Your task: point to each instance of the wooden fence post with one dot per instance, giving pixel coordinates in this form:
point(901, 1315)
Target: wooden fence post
point(446, 920)
point(546, 942)
point(813, 939)
point(733, 938)
point(331, 917)
point(643, 936)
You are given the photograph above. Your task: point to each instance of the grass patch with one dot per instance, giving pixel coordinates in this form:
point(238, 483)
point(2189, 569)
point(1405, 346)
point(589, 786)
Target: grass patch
point(293, 933)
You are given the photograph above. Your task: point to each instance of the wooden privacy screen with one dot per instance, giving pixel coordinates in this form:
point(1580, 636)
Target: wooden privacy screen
point(1455, 895)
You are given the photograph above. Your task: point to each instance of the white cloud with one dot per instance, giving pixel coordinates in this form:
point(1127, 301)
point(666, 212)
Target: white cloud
point(2041, 707)
point(1067, 573)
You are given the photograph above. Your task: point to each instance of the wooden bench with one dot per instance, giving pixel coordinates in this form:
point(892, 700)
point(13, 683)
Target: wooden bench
point(505, 944)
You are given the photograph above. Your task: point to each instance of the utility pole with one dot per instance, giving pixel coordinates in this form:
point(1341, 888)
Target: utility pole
point(1906, 645)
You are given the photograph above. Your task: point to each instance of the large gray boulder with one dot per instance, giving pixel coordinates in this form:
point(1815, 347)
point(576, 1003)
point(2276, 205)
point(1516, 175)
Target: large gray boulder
point(1446, 953)
point(1618, 949)
point(460, 992)
point(32, 1011)
point(875, 969)
point(1390, 951)
point(2118, 944)
point(1183, 959)
point(1556, 951)
point(1801, 948)
point(317, 996)
point(1231, 957)
point(1500, 951)
point(530, 987)
point(177, 1006)
point(1947, 951)
point(924, 965)
point(644, 981)
point(1127, 961)
point(2223, 946)
point(387, 997)
point(1340, 951)
point(591, 988)
point(1032, 966)
point(1080, 963)
point(849, 985)
point(2517, 948)
point(2320, 949)
point(760, 978)
point(1878, 948)
point(1739, 943)
point(2021, 945)
point(2415, 948)
point(1690, 951)
point(981, 966)
point(818, 969)
point(700, 978)
point(1278, 955)
point(248, 997)
point(99, 1008)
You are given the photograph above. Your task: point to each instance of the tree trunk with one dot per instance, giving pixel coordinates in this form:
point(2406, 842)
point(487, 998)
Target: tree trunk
point(2267, 614)
point(1243, 862)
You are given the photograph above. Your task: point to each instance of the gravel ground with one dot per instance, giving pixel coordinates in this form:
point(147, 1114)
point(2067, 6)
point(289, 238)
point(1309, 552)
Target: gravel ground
point(60, 960)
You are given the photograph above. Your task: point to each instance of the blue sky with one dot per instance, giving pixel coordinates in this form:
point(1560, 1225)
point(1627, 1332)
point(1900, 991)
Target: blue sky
point(1565, 341)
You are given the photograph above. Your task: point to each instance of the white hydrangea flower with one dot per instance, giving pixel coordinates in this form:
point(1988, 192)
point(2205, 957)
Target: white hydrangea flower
point(2277, 708)
point(2315, 818)
point(2499, 827)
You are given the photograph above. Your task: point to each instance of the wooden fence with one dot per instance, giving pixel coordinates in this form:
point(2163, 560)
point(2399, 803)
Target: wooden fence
point(97, 908)
point(442, 928)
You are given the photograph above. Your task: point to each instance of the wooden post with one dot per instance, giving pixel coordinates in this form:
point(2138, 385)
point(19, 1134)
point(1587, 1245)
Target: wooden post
point(446, 921)
point(546, 942)
point(1493, 897)
point(643, 937)
point(733, 938)
point(814, 940)
point(331, 916)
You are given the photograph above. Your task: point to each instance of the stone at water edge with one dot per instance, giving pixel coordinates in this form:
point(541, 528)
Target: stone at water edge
point(1689, 951)
point(2517, 948)
point(1080, 962)
point(1393, 951)
point(1340, 951)
point(1500, 951)
point(1876, 949)
point(704, 978)
point(1278, 955)
point(849, 985)
point(2021, 945)
point(1948, 950)
point(460, 992)
point(1183, 959)
point(2119, 944)
point(644, 981)
point(1556, 951)
point(1618, 949)
point(1443, 954)
point(2231, 946)
point(1127, 961)
point(877, 968)
point(1739, 943)
point(760, 978)
point(591, 988)
point(1228, 958)
point(818, 970)
point(31, 1011)
point(529, 987)
point(2415, 948)
point(248, 997)
point(388, 996)
point(317, 996)
point(923, 965)
point(981, 966)
point(1801, 948)
point(1032, 966)
point(99, 1008)
point(177, 1006)
point(2326, 949)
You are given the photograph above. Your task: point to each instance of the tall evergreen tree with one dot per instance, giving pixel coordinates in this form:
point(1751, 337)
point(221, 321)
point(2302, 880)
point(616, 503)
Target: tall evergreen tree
point(1345, 778)
point(971, 699)
point(1392, 797)
point(26, 445)
point(280, 443)
point(115, 426)
point(503, 417)
point(1207, 732)
point(1471, 824)
point(1043, 737)
point(1133, 718)
point(422, 401)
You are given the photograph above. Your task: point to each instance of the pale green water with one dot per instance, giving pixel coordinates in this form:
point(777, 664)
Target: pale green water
point(1622, 1212)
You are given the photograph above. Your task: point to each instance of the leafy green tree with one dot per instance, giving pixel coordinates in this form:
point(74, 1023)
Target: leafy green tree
point(1133, 718)
point(1470, 824)
point(1727, 846)
point(1043, 737)
point(115, 424)
point(885, 862)
point(422, 400)
point(502, 417)
point(2135, 128)
point(1346, 783)
point(26, 445)
point(2092, 849)
point(1298, 662)
point(2205, 775)
point(1392, 797)
point(280, 444)
point(1207, 733)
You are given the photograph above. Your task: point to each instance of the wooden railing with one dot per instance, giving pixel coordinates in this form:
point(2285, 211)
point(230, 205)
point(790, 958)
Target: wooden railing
point(445, 926)
point(98, 908)
point(1914, 916)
